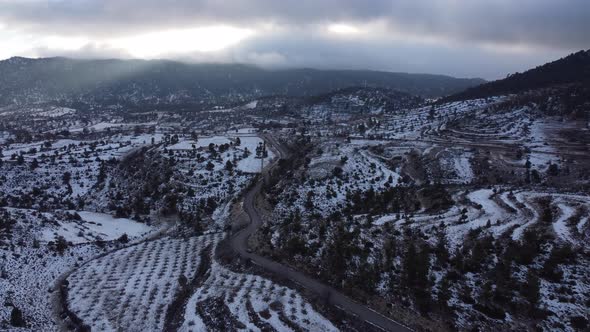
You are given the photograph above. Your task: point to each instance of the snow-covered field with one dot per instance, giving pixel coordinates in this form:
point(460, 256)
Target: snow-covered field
point(114, 147)
point(251, 164)
point(508, 213)
point(254, 303)
point(201, 142)
point(93, 226)
point(29, 268)
point(107, 125)
point(360, 171)
point(131, 289)
point(28, 284)
point(248, 142)
point(57, 112)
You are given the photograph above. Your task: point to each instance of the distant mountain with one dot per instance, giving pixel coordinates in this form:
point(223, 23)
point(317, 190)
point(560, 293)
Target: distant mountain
point(24, 80)
point(361, 100)
point(573, 69)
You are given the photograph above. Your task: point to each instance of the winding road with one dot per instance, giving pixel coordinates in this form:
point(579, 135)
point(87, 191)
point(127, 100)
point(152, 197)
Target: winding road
point(239, 242)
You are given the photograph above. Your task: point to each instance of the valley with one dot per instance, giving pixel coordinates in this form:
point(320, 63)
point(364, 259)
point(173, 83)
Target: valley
point(356, 209)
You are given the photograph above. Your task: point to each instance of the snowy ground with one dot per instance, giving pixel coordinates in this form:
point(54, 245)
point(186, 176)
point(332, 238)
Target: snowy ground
point(29, 285)
point(248, 142)
point(508, 212)
point(131, 288)
point(95, 226)
point(29, 269)
point(106, 125)
point(360, 171)
point(253, 301)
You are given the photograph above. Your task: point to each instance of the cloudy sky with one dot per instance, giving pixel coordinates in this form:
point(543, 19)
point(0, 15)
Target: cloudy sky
point(464, 38)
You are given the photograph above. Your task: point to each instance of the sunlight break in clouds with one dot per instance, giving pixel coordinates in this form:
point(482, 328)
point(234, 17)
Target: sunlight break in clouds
point(344, 29)
point(180, 41)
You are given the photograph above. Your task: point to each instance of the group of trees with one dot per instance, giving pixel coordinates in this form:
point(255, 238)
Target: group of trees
point(60, 244)
point(572, 69)
point(261, 151)
point(141, 184)
point(397, 200)
point(508, 273)
point(408, 262)
point(416, 272)
point(6, 224)
point(535, 177)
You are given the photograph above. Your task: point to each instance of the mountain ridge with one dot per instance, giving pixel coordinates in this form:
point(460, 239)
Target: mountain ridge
point(571, 69)
point(26, 80)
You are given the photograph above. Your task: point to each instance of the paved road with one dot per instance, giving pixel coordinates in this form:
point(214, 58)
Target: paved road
point(334, 297)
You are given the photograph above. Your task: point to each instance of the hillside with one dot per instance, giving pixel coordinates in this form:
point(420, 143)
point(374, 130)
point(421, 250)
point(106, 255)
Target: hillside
point(573, 69)
point(24, 80)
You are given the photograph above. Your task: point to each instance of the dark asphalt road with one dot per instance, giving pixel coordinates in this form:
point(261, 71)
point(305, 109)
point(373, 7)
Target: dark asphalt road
point(239, 243)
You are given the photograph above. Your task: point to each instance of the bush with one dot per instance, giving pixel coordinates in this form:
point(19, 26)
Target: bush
point(60, 245)
point(553, 170)
point(337, 171)
point(123, 238)
point(531, 289)
point(491, 311)
point(579, 322)
point(16, 318)
point(559, 255)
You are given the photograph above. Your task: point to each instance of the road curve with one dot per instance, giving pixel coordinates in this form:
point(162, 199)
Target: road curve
point(238, 242)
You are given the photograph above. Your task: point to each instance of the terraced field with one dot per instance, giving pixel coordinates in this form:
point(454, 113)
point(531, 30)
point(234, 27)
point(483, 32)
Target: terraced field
point(507, 213)
point(131, 289)
point(249, 302)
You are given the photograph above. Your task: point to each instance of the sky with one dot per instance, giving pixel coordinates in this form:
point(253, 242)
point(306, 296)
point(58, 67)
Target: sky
point(461, 38)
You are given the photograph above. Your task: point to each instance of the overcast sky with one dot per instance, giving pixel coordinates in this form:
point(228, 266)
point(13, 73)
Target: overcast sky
point(464, 38)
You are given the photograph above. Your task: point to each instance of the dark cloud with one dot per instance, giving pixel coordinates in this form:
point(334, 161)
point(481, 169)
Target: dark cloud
point(400, 56)
point(546, 23)
point(463, 38)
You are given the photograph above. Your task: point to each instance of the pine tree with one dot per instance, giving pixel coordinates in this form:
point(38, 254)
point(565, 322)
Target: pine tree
point(442, 252)
point(16, 318)
point(66, 177)
point(531, 289)
point(61, 244)
point(337, 255)
point(416, 265)
point(229, 166)
point(444, 292)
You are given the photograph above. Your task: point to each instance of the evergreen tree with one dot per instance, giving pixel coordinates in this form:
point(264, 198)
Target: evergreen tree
point(66, 177)
point(16, 318)
point(553, 170)
point(442, 252)
point(444, 292)
point(34, 164)
point(416, 265)
point(531, 289)
point(229, 166)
